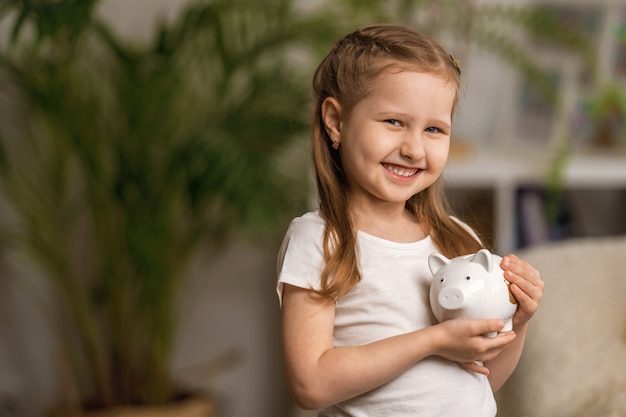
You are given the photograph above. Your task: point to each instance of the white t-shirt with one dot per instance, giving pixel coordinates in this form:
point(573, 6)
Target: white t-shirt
point(392, 298)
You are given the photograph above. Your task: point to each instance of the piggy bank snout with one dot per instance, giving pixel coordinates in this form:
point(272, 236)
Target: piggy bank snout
point(451, 298)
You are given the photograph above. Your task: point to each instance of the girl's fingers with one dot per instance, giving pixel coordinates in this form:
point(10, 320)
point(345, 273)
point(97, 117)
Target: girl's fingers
point(524, 276)
point(489, 326)
point(526, 286)
point(475, 367)
point(528, 289)
point(515, 266)
point(527, 303)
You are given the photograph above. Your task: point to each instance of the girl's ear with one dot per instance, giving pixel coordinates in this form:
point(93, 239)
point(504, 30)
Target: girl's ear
point(331, 115)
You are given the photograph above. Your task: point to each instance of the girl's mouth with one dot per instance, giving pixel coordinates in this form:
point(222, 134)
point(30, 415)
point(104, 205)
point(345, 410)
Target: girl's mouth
point(401, 171)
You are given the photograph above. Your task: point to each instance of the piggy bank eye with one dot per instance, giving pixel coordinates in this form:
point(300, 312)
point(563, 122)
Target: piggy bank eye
point(468, 278)
point(442, 279)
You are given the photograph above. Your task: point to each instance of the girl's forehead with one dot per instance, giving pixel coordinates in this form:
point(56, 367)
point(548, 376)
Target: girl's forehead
point(408, 92)
point(440, 77)
point(402, 79)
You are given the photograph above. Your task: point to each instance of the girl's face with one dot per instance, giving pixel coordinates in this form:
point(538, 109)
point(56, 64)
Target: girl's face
point(395, 142)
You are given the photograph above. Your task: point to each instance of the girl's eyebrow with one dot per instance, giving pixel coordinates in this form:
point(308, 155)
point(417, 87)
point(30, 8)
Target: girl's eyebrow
point(392, 114)
point(441, 123)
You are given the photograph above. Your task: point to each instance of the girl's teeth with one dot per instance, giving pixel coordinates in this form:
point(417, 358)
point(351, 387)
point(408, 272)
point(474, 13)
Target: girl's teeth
point(400, 171)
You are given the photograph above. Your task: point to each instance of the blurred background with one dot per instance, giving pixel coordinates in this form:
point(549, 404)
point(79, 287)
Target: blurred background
point(153, 152)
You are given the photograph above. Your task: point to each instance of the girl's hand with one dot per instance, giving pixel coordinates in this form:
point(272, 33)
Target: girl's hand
point(526, 286)
point(463, 341)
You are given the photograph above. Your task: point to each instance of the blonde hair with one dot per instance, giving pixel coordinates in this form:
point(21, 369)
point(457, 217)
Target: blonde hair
point(347, 74)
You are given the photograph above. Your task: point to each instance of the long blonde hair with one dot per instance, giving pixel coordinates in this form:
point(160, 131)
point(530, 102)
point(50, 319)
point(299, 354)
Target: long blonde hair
point(347, 74)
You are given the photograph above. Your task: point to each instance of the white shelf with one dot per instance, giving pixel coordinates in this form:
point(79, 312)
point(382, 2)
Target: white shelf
point(505, 173)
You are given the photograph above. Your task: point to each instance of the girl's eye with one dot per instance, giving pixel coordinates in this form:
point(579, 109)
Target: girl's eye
point(432, 129)
point(394, 122)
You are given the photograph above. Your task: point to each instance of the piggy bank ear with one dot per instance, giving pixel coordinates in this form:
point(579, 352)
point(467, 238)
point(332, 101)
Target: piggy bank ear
point(484, 258)
point(436, 261)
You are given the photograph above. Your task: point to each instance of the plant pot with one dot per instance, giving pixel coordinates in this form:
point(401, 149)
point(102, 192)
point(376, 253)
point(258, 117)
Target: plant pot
point(194, 406)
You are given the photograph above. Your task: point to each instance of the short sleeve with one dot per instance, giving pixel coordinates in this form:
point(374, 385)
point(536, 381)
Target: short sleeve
point(301, 256)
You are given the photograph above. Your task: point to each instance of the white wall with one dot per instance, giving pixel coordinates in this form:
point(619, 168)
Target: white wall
point(229, 333)
point(485, 80)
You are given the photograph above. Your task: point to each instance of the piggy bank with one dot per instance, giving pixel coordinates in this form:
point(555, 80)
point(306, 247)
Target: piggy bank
point(471, 286)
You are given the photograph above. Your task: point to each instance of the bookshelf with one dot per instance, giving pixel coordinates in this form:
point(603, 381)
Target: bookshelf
point(510, 188)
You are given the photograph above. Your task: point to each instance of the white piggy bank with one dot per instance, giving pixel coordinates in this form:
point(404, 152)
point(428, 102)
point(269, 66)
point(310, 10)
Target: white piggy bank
point(471, 286)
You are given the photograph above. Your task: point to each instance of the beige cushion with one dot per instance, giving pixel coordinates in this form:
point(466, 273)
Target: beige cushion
point(574, 361)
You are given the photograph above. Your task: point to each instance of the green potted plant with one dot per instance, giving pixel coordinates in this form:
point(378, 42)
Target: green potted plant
point(121, 161)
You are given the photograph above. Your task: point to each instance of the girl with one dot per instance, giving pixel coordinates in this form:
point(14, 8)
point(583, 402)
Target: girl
point(358, 335)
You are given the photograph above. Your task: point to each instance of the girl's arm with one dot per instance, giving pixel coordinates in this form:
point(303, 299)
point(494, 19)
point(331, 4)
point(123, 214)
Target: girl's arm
point(527, 287)
point(319, 374)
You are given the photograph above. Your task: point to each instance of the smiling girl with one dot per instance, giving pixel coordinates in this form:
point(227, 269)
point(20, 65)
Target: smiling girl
point(359, 338)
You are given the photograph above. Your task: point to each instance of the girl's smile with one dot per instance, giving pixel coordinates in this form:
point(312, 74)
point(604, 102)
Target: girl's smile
point(402, 172)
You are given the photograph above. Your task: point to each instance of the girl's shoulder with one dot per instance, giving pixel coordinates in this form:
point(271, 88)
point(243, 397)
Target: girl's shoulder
point(305, 231)
point(309, 218)
point(310, 223)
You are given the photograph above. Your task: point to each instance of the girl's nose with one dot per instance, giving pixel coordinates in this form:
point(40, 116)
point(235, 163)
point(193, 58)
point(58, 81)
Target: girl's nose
point(413, 147)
